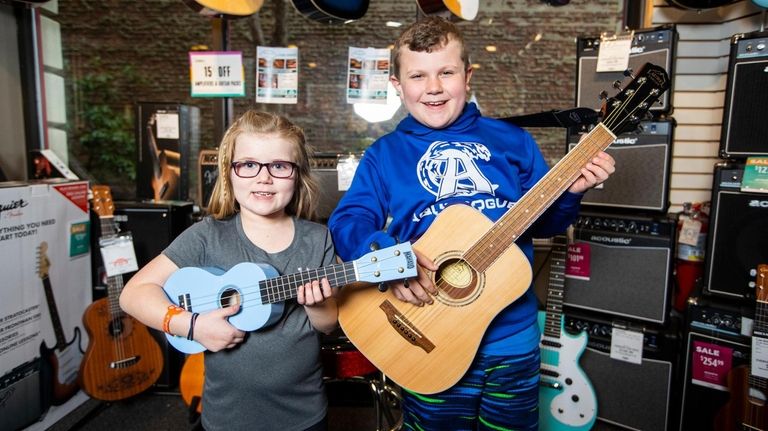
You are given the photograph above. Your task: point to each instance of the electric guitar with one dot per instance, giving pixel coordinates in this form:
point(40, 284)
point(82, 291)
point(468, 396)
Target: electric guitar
point(332, 11)
point(480, 269)
point(122, 359)
point(567, 400)
point(261, 292)
point(60, 362)
point(747, 409)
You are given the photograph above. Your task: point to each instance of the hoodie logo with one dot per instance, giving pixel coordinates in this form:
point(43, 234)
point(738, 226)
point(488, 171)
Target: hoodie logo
point(448, 169)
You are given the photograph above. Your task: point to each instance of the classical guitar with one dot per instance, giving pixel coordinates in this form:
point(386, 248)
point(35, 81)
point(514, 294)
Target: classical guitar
point(261, 292)
point(60, 362)
point(165, 166)
point(747, 408)
point(332, 11)
point(567, 400)
point(122, 359)
point(481, 270)
point(191, 381)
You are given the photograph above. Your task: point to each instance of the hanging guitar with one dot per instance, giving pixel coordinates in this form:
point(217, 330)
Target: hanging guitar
point(480, 269)
point(261, 293)
point(747, 409)
point(332, 11)
point(567, 400)
point(122, 359)
point(228, 9)
point(60, 362)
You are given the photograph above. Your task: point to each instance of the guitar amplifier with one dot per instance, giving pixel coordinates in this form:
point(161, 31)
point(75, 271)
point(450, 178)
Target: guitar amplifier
point(20, 402)
point(714, 345)
point(621, 265)
point(324, 170)
point(656, 45)
point(745, 131)
point(737, 237)
point(643, 162)
point(633, 396)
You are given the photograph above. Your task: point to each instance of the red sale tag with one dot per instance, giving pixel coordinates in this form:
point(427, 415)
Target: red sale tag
point(711, 364)
point(577, 265)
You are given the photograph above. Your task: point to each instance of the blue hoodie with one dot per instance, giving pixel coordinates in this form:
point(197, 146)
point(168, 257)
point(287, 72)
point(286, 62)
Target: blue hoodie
point(414, 172)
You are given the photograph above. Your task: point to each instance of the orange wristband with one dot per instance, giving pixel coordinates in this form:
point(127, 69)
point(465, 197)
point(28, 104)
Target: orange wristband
point(172, 311)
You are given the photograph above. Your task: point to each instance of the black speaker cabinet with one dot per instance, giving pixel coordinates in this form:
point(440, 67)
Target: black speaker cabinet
point(207, 163)
point(324, 169)
point(153, 226)
point(167, 137)
point(643, 161)
point(621, 265)
point(655, 46)
point(737, 237)
point(745, 131)
point(714, 346)
point(630, 396)
point(21, 403)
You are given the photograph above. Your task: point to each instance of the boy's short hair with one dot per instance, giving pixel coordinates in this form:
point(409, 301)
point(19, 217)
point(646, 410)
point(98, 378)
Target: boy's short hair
point(426, 35)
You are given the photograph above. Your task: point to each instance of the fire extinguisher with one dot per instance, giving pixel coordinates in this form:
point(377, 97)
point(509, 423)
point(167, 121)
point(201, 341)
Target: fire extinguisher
point(692, 226)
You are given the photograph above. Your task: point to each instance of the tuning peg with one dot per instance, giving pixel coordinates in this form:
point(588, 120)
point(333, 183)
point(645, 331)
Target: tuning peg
point(628, 73)
point(374, 246)
point(603, 95)
point(382, 287)
point(617, 84)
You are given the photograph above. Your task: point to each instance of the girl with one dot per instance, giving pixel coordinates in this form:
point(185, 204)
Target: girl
point(271, 378)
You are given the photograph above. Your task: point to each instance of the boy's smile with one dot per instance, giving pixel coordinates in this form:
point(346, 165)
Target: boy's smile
point(433, 85)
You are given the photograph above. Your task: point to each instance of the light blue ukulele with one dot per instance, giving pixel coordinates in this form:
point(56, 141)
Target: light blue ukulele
point(566, 398)
point(261, 292)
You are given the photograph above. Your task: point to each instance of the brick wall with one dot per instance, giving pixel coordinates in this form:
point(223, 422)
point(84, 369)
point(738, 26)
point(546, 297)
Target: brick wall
point(154, 36)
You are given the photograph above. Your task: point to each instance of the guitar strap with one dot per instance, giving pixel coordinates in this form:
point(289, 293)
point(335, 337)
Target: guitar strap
point(566, 118)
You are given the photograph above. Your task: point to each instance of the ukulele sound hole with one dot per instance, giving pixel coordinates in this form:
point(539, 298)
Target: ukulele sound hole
point(229, 297)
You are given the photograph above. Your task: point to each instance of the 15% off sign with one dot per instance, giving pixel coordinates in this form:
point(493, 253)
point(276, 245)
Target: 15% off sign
point(216, 74)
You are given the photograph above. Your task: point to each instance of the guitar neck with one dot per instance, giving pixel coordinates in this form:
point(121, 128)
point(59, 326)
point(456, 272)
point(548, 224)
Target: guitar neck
point(61, 341)
point(517, 220)
point(279, 289)
point(115, 282)
point(554, 310)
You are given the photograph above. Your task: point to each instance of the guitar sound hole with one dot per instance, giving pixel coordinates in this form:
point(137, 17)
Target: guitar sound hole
point(229, 297)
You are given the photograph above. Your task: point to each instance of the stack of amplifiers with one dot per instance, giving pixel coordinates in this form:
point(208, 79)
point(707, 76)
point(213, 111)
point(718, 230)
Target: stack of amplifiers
point(643, 161)
point(737, 241)
point(745, 131)
point(641, 396)
point(324, 169)
point(621, 265)
point(715, 345)
point(655, 46)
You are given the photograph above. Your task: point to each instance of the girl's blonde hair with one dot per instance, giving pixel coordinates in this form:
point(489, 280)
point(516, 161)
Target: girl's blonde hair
point(303, 204)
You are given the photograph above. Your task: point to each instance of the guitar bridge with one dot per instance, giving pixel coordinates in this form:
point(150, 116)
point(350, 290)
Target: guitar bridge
point(405, 328)
point(124, 363)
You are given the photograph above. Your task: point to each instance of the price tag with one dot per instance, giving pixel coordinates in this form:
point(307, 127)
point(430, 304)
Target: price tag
point(759, 356)
point(627, 345)
point(216, 73)
point(614, 53)
point(710, 365)
point(118, 254)
point(755, 177)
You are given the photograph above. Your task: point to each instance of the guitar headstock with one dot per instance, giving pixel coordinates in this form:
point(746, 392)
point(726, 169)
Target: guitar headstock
point(761, 283)
point(391, 263)
point(624, 111)
point(101, 202)
point(43, 264)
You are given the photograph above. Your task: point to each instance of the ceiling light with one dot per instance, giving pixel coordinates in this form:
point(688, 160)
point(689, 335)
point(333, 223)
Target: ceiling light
point(394, 24)
point(490, 48)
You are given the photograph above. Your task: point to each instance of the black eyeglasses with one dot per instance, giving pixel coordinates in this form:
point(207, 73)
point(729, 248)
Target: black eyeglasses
point(252, 168)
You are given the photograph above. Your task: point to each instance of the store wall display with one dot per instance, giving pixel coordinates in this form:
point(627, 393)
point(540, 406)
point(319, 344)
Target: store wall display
point(208, 172)
point(621, 265)
point(744, 128)
point(644, 158)
point(737, 237)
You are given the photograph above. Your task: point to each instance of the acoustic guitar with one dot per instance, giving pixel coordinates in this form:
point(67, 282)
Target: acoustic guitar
point(61, 361)
point(480, 269)
point(191, 381)
point(122, 359)
point(464, 9)
point(567, 400)
point(332, 11)
point(747, 408)
point(225, 8)
point(262, 293)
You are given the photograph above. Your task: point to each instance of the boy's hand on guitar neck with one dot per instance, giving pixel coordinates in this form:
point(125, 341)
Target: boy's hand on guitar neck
point(594, 173)
point(417, 291)
point(215, 333)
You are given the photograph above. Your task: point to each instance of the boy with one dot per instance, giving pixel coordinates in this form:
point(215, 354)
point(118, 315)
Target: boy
point(445, 153)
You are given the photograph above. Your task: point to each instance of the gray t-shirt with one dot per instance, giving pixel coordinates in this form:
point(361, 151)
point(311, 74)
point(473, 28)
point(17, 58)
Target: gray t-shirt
point(273, 380)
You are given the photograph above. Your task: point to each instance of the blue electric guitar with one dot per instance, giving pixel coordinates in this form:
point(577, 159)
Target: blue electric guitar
point(261, 292)
point(566, 398)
